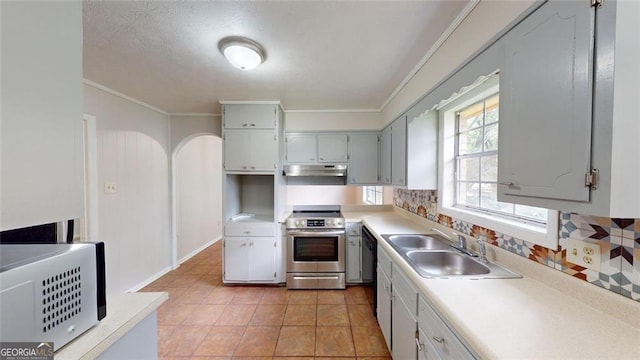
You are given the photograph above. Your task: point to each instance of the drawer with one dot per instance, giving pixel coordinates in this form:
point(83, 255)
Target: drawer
point(384, 262)
point(245, 229)
point(438, 334)
point(403, 288)
point(353, 229)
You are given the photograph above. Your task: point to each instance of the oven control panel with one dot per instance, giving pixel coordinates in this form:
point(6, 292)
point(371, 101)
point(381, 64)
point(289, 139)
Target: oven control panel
point(330, 223)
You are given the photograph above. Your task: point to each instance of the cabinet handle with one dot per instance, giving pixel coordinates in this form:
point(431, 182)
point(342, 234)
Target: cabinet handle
point(244, 167)
point(251, 243)
point(243, 244)
point(419, 344)
point(253, 167)
point(322, 159)
point(254, 125)
point(244, 125)
point(438, 339)
point(509, 184)
point(247, 232)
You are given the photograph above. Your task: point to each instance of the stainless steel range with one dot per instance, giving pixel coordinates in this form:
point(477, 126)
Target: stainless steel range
point(316, 248)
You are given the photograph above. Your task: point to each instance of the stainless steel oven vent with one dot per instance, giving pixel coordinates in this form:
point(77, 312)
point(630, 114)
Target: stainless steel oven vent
point(61, 298)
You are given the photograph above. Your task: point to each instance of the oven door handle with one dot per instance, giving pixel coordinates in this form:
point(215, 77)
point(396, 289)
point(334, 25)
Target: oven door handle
point(316, 277)
point(315, 233)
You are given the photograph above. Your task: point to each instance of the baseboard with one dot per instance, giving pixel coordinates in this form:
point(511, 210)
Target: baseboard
point(148, 281)
point(198, 250)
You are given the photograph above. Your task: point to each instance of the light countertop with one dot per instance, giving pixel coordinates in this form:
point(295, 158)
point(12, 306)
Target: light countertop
point(544, 315)
point(124, 312)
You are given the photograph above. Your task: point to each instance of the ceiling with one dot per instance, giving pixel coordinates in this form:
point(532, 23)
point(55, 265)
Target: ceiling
point(321, 55)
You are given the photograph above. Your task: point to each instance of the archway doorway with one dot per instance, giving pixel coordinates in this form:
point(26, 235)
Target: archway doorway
point(197, 184)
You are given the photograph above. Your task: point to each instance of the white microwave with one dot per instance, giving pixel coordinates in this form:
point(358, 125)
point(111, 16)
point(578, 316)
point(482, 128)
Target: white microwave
point(50, 293)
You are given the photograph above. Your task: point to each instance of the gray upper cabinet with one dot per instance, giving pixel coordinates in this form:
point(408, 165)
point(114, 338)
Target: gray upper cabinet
point(250, 116)
point(399, 151)
point(310, 148)
point(363, 159)
point(409, 149)
point(246, 151)
point(546, 104)
point(569, 112)
point(332, 148)
point(385, 156)
point(301, 148)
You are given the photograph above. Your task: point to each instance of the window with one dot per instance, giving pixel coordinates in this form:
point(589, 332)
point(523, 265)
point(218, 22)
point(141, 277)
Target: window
point(477, 162)
point(372, 195)
point(468, 169)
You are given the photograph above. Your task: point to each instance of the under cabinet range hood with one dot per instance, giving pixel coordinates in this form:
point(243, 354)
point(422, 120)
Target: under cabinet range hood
point(334, 170)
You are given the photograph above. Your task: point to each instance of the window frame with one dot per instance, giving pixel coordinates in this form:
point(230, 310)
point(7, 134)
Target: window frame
point(523, 229)
point(377, 189)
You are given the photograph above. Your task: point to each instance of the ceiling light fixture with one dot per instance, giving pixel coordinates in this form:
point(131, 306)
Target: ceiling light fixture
point(241, 52)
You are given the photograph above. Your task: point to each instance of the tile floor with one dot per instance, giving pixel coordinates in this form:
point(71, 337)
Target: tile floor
point(204, 319)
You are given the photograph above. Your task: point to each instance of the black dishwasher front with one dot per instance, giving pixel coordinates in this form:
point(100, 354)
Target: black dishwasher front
point(369, 262)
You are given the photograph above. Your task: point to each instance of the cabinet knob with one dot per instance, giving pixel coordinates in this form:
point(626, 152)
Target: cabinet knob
point(253, 167)
point(509, 184)
point(253, 125)
point(244, 166)
point(322, 159)
point(244, 125)
point(247, 232)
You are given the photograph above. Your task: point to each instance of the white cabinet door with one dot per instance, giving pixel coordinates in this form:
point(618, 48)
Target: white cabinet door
point(264, 150)
point(237, 150)
point(236, 258)
point(354, 244)
point(385, 156)
point(403, 328)
point(301, 149)
point(250, 150)
point(363, 159)
point(332, 148)
point(250, 116)
point(41, 113)
point(383, 310)
point(262, 262)
point(399, 151)
point(426, 351)
point(545, 108)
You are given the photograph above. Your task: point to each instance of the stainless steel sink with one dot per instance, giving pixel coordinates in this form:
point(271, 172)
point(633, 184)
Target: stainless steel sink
point(432, 256)
point(413, 242)
point(445, 263)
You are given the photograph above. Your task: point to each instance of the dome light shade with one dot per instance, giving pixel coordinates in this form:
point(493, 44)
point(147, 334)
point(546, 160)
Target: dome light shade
point(243, 53)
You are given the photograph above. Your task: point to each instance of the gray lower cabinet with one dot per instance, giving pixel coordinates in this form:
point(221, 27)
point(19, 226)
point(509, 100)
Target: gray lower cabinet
point(383, 309)
point(435, 337)
point(354, 253)
point(249, 258)
point(411, 327)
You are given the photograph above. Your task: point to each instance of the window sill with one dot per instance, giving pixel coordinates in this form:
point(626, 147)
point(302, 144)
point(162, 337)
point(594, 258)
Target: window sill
point(538, 235)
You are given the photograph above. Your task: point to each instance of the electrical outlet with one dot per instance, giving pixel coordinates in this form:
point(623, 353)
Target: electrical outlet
point(583, 253)
point(110, 188)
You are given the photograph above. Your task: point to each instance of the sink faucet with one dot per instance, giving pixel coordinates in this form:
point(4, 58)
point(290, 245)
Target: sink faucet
point(483, 251)
point(462, 241)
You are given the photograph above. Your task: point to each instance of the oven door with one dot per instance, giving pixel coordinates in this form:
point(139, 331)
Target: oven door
point(315, 250)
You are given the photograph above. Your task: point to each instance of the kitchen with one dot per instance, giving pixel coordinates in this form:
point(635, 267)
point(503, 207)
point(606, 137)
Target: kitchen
point(138, 142)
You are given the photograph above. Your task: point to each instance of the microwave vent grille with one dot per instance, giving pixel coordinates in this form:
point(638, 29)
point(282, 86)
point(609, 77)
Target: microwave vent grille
point(61, 298)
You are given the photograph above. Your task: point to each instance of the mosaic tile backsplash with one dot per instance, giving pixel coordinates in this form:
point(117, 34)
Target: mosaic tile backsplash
point(619, 241)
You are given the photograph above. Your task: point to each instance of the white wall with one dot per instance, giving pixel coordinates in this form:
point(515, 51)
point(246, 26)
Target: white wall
point(486, 20)
point(184, 127)
point(135, 222)
point(198, 168)
point(332, 121)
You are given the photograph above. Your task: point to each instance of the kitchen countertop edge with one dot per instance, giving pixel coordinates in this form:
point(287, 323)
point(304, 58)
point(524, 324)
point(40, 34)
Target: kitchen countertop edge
point(124, 312)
